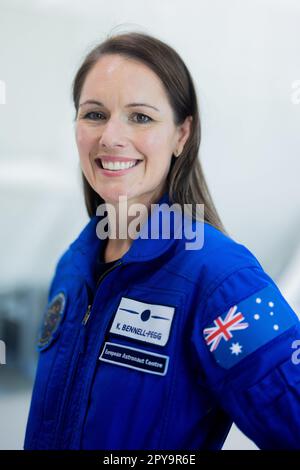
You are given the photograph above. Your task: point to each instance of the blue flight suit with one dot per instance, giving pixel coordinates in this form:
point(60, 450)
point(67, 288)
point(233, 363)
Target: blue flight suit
point(165, 350)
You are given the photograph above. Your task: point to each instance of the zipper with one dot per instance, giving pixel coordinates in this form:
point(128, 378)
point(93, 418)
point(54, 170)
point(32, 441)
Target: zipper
point(87, 315)
point(89, 308)
point(79, 351)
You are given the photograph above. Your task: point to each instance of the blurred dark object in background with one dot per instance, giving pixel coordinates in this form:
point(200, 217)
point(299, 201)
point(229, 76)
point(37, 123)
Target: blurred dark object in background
point(21, 313)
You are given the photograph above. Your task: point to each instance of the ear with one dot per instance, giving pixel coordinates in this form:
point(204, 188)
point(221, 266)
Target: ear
point(184, 131)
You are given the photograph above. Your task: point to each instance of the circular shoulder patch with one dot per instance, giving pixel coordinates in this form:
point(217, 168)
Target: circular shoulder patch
point(52, 319)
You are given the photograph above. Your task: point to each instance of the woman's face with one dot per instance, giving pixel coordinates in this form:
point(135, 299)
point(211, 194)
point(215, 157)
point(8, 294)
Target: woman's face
point(114, 124)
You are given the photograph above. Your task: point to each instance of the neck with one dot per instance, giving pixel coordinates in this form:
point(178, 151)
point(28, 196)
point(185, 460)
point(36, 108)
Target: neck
point(125, 219)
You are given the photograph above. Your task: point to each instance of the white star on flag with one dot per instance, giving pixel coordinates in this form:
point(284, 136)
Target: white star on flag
point(236, 348)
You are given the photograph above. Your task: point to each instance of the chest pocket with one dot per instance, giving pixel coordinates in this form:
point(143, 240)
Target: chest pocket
point(133, 387)
point(142, 332)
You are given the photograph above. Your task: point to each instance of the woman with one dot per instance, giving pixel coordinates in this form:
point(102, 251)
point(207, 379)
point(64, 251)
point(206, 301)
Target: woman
point(146, 344)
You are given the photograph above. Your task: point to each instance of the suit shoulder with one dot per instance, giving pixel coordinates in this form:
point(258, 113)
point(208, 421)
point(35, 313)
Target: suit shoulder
point(217, 256)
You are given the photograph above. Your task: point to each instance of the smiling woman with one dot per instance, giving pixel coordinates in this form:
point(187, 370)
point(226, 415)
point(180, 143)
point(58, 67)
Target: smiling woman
point(154, 345)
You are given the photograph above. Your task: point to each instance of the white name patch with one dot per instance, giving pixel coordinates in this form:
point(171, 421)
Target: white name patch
point(150, 323)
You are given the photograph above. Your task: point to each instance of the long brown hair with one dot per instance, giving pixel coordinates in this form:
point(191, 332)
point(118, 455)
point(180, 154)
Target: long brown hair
point(186, 183)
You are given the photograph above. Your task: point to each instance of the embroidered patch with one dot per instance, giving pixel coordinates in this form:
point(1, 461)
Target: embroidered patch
point(149, 323)
point(52, 319)
point(245, 327)
point(134, 358)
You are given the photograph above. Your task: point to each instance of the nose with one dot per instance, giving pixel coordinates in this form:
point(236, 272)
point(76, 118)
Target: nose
point(113, 133)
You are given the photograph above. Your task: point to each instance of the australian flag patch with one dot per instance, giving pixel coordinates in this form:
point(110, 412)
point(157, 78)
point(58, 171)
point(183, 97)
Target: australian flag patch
point(248, 325)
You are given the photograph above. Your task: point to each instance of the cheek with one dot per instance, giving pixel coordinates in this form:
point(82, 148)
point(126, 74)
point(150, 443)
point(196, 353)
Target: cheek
point(84, 144)
point(152, 142)
point(157, 148)
point(84, 141)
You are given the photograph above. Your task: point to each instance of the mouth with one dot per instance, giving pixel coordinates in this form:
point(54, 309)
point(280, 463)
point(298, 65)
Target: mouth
point(118, 167)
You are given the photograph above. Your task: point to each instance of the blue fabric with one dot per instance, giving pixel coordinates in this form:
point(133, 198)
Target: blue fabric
point(152, 382)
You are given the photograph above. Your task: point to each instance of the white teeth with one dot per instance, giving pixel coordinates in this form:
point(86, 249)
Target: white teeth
point(118, 165)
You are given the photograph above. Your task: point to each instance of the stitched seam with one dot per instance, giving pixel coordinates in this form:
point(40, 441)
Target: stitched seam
point(87, 384)
point(211, 289)
point(170, 406)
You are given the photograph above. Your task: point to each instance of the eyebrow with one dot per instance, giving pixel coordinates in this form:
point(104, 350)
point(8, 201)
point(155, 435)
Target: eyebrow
point(130, 105)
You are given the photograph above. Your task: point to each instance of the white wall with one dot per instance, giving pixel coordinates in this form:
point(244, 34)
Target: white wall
point(244, 58)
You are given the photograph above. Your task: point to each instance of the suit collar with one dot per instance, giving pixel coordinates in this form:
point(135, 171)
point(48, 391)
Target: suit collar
point(144, 248)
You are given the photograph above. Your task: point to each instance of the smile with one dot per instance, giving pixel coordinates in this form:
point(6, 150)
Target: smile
point(116, 168)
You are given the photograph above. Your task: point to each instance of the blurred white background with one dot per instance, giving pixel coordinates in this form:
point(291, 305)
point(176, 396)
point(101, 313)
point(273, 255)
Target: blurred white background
point(245, 60)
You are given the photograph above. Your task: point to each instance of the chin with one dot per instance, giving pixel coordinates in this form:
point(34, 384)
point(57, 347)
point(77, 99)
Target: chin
point(113, 195)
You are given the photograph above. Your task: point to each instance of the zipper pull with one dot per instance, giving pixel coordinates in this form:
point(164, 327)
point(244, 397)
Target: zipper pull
point(90, 296)
point(82, 334)
point(87, 315)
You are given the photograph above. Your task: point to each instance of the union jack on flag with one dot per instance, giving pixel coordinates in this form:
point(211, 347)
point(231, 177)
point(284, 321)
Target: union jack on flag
point(223, 328)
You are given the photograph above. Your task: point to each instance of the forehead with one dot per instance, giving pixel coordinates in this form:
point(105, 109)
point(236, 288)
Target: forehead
point(120, 74)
